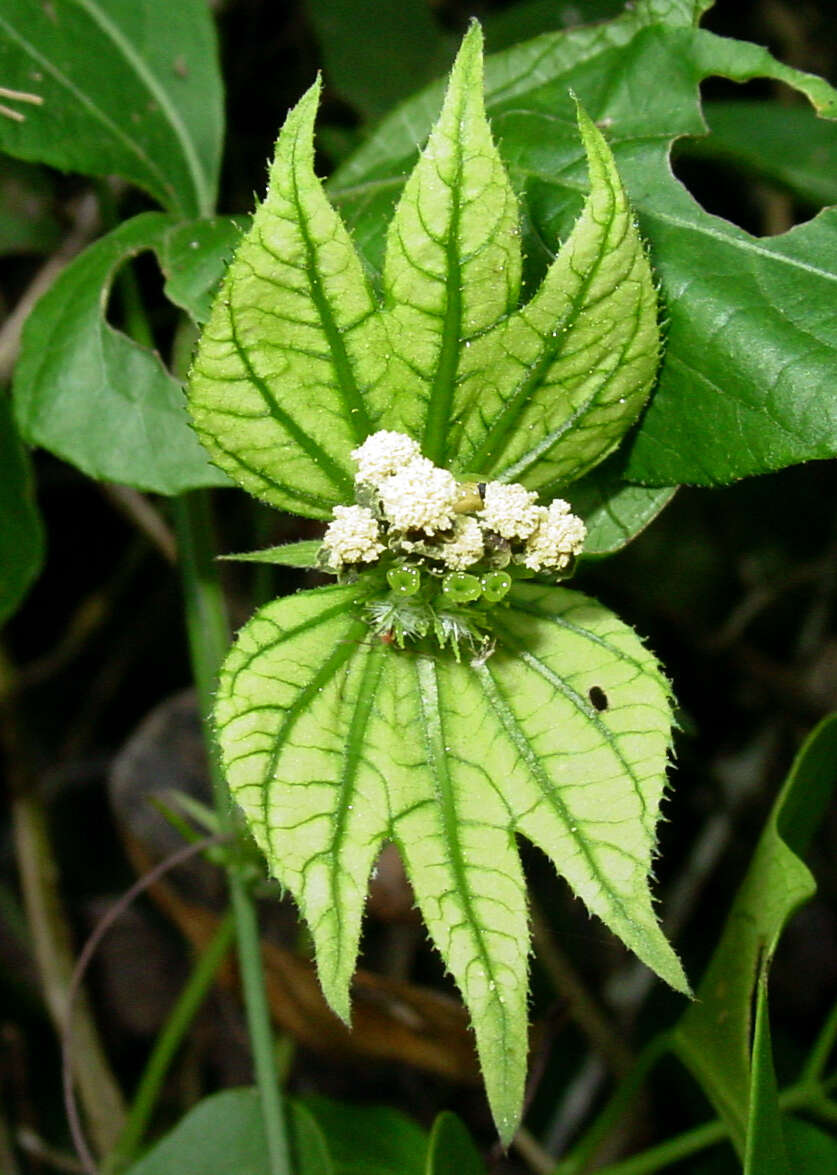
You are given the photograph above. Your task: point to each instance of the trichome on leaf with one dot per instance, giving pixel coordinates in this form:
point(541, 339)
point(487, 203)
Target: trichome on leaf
point(333, 744)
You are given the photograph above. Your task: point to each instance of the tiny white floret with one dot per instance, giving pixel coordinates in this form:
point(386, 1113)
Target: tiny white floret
point(382, 454)
point(509, 510)
point(467, 545)
point(559, 536)
point(352, 537)
point(419, 497)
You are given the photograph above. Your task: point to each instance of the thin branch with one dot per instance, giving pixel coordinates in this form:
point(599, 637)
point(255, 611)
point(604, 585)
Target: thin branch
point(85, 225)
point(70, 1039)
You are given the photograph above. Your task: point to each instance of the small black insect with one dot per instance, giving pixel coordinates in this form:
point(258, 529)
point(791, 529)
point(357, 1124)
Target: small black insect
point(598, 698)
point(481, 489)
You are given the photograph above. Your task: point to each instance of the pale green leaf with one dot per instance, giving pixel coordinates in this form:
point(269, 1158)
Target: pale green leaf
point(278, 389)
point(714, 1036)
point(21, 530)
point(746, 383)
point(302, 554)
point(551, 390)
point(96, 398)
point(125, 87)
point(333, 742)
point(452, 265)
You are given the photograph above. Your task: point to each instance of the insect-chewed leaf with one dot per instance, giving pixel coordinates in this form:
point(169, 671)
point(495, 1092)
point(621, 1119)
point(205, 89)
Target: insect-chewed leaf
point(452, 266)
point(333, 744)
point(547, 393)
point(278, 390)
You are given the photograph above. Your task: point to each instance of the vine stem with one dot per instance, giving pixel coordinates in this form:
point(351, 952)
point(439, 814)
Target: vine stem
point(209, 638)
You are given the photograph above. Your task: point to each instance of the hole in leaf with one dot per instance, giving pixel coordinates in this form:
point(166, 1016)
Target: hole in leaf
point(137, 290)
point(768, 162)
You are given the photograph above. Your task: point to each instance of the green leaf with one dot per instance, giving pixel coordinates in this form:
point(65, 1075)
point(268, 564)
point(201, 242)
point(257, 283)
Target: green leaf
point(193, 256)
point(614, 511)
point(452, 265)
point(451, 1150)
point(122, 87)
point(278, 387)
point(333, 743)
point(298, 363)
point(368, 1140)
point(784, 144)
point(764, 1148)
point(224, 1133)
point(551, 390)
point(713, 1037)
point(91, 395)
point(746, 381)
point(21, 532)
point(375, 53)
point(302, 554)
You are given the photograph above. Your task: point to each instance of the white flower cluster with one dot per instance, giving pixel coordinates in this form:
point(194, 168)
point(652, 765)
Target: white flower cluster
point(418, 509)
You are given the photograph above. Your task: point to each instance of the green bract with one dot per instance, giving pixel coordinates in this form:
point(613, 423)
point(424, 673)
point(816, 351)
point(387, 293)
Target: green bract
point(335, 741)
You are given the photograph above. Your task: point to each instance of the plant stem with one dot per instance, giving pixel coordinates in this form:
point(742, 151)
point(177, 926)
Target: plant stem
point(167, 1043)
point(49, 927)
point(584, 1150)
point(819, 1054)
point(206, 623)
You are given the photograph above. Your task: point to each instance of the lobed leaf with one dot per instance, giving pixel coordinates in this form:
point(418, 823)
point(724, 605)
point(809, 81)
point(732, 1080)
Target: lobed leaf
point(333, 745)
point(125, 87)
point(96, 398)
point(745, 384)
point(452, 265)
point(551, 390)
point(279, 389)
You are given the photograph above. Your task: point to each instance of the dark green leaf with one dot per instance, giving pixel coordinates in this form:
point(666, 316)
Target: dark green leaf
point(375, 52)
point(126, 87)
point(224, 1133)
point(785, 144)
point(747, 379)
point(764, 1148)
point(368, 1140)
point(451, 1150)
point(28, 223)
point(21, 533)
point(713, 1038)
point(303, 554)
point(613, 510)
point(193, 256)
point(91, 395)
